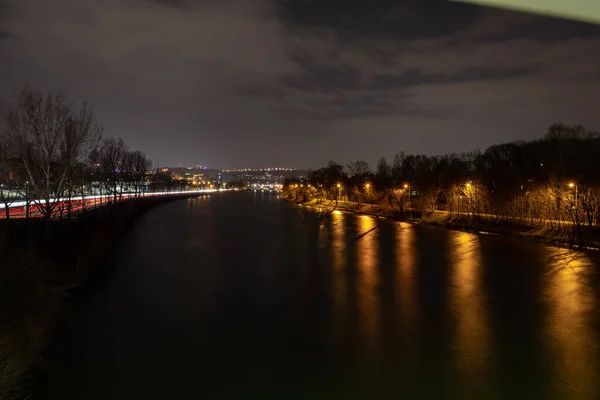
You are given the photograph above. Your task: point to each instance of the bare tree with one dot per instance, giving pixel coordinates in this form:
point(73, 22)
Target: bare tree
point(359, 168)
point(7, 187)
point(140, 165)
point(113, 154)
point(49, 138)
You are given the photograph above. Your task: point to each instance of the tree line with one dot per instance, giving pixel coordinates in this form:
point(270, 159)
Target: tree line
point(52, 151)
point(550, 181)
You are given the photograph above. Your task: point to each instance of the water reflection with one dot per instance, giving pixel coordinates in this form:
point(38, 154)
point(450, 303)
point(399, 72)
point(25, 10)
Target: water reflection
point(406, 263)
point(367, 250)
point(417, 312)
point(571, 323)
point(471, 339)
point(338, 274)
point(198, 206)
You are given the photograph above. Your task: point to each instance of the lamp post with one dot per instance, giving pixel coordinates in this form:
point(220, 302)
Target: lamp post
point(529, 208)
point(337, 197)
point(407, 187)
point(574, 185)
point(468, 193)
point(368, 186)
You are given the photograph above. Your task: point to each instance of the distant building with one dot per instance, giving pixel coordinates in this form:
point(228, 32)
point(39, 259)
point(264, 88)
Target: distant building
point(262, 177)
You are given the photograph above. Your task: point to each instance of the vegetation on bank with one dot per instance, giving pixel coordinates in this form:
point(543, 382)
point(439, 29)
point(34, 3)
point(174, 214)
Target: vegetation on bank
point(549, 185)
point(483, 224)
point(51, 150)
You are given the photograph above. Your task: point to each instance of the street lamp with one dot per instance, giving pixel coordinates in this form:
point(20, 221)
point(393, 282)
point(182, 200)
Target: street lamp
point(574, 185)
point(338, 192)
point(368, 186)
point(407, 186)
point(468, 193)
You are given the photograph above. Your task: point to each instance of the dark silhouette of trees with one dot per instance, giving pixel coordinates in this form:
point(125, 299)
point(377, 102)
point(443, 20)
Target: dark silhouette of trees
point(7, 185)
point(113, 165)
point(552, 181)
point(52, 151)
point(359, 175)
point(46, 139)
point(327, 180)
point(237, 184)
point(139, 166)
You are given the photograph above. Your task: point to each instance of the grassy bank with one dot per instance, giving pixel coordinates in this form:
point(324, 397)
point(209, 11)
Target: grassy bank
point(41, 264)
point(482, 224)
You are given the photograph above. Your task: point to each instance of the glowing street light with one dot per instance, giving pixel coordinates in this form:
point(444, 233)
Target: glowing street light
point(574, 185)
point(468, 193)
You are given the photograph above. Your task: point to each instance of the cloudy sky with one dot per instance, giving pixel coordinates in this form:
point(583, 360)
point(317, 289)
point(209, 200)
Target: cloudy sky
point(259, 83)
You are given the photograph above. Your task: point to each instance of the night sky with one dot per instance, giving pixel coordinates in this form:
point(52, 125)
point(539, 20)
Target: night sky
point(260, 83)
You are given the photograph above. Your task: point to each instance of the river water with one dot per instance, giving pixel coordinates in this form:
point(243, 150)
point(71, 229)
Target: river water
point(247, 296)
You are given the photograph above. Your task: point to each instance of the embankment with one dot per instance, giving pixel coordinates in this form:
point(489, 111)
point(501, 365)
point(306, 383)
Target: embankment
point(566, 235)
point(43, 263)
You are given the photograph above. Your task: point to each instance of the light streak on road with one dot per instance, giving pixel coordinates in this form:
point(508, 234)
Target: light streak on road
point(80, 203)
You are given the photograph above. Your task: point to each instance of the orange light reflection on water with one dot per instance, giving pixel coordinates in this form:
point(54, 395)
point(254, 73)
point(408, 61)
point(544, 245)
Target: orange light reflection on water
point(570, 329)
point(338, 275)
point(471, 340)
point(367, 248)
point(406, 270)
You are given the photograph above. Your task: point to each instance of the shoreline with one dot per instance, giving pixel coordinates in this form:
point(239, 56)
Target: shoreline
point(466, 223)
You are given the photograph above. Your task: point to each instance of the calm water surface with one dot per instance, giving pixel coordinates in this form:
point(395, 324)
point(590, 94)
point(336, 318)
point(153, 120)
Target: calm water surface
point(245, 295)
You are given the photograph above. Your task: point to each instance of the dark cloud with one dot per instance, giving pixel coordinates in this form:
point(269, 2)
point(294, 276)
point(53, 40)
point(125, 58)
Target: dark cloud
point(6, 35)
point(381, 18)
point(171, 3)
point(296, 82)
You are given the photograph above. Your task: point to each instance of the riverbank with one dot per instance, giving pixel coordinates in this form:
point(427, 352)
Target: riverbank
point(465, 222)
point(41, 265)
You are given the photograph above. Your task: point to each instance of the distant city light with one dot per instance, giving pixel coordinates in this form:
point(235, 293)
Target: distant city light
point(263, 169)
